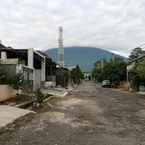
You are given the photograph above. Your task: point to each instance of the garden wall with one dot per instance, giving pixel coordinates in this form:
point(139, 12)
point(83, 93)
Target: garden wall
point(6, 92)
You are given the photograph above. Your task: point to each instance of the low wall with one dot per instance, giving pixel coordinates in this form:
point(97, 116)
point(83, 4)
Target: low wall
point(6, 92)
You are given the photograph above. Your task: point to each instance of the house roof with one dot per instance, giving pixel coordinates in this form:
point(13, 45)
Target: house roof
point(19, 51)
point(47, 57)
point(14, 51)
point(38, 55)
point(2, 46)
point(42, 53)
point(137, 59)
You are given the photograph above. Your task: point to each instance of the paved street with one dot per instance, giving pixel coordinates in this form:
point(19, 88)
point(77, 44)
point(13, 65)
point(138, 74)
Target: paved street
point(89, 115)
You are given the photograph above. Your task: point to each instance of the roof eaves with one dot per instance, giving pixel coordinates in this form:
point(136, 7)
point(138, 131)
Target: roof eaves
point(136, 59)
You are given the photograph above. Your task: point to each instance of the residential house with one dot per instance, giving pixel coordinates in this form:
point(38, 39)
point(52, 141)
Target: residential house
point(28, 62)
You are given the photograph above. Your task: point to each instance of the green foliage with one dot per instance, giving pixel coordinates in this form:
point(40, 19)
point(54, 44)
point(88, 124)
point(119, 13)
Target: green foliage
point(114, 70)
point(76, 75)
point(134, 79)
point(16, 81)
point(137, 75)
point(136, 52)
point(13, 80)
point(140, 69)
point(66, 78)
point(97, 74)
point(98, 70)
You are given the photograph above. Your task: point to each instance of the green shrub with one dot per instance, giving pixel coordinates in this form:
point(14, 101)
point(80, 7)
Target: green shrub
point(76, 75)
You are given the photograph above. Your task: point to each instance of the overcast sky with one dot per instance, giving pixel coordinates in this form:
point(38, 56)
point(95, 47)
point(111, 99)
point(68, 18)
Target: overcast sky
point(118, 25)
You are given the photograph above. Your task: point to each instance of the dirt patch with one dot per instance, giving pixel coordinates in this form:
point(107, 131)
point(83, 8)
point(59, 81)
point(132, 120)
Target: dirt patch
point(70, 102)
point(90, 115)
point(62, 118)
point(141, 114)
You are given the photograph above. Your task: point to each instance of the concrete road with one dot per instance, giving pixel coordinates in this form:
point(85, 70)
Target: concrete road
point(90, 115)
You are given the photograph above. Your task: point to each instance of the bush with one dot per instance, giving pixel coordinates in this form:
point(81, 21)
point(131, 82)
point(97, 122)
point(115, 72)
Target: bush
point(76, 75)
point(6, 77)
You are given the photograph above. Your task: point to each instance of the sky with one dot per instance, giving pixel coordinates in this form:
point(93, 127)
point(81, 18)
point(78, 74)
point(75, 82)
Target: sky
point(117, 25)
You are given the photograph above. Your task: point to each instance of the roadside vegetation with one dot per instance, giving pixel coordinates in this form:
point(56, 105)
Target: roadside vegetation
point(12, 80)
point(137, 73)
point(136, 53)
point(65, 77)
point(113, 70)
point(76, 75)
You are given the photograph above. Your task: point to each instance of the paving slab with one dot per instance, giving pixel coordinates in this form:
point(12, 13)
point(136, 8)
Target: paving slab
point(9, 114)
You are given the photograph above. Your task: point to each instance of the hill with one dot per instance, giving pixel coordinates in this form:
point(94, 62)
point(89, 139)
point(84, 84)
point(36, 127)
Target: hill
point(84, 56)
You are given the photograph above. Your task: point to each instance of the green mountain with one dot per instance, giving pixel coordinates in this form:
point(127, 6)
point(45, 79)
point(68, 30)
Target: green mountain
point(83, 56)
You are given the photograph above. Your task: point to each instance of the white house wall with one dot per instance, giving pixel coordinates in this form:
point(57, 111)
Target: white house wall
point(43, 70)
point(30, 57)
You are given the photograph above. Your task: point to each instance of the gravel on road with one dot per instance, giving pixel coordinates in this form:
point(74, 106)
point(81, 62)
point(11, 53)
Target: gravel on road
point(89, 115)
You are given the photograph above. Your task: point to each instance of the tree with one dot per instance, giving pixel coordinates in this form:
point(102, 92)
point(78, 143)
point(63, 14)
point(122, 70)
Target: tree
point(76, 75)
point(137, 75)
point(114, 70)
point(98, 70)
point(136, 52)
point(14, 80)
point(97, 74)
point(140, 69)
point(134, 79)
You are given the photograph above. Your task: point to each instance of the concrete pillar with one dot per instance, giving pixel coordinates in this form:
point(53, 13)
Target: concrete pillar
point(30, 57)
point(30, 63)
point(43, 63)
point(3, 55)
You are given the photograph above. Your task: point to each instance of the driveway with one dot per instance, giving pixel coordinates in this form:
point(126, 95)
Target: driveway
point(89, 115)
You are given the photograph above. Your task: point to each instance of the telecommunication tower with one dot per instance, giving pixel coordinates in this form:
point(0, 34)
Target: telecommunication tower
point(61, 49)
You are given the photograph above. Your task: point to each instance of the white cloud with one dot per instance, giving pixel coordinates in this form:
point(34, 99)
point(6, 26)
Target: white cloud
point(116, 25)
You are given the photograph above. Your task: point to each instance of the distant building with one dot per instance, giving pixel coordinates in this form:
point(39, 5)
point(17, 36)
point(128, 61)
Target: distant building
point(70, 67)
